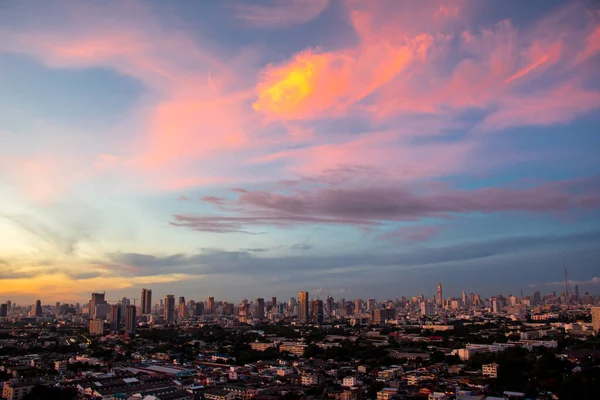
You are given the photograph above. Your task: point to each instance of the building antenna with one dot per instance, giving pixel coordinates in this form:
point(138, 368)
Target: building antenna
point(566, 278)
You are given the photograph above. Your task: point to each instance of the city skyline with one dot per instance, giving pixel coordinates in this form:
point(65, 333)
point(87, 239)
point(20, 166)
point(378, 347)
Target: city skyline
point(354, 148)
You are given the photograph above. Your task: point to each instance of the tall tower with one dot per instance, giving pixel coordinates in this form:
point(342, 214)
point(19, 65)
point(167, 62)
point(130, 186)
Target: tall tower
point(440, 299)
point(211, 307)
point(38, 308)
point(260, 308)
point(115, 317)
point(97, 298)
point(130, 319)
point(146, 298)
point(182, 311)
point(169, 309)
point(596, 320)
point(317, 311)
point(303, 306)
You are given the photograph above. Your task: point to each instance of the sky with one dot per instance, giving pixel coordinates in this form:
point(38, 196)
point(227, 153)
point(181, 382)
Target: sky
point(244, 149)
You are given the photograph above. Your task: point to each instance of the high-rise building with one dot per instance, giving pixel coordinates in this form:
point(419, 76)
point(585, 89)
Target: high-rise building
point(8, 306)
point(38, 308)
point(182, 310)
point(97, 298)
point(169, 309)
point(146, 306)
point(303, 306)
point(124, 303)
point(211, 307)
point(330, 305)
point(259, 308)
point(371, 304)
point(537, 298)
point(130, 319)
point(380, 315)
point(57, 307)
point(199, 309)
point(427, 309)
point(440, 299)
point(101, 311)
point(228, 308)
point(274, 302)
point(115, 317)
point(3, 310)
point(243, 313)
point(96, 327)
point(317, 311)
point(596, 319)
point(292, 303)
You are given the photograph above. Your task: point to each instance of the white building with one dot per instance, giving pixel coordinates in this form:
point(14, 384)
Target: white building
point(310, 379)
point(490, 370)
point(349, 381)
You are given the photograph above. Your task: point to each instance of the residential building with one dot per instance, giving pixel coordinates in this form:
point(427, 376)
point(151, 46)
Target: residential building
point(259, 307)
point(16, 390)
point(317, 311)
point(303, 311)
point(490, 370)
point(386, 393)
point(596, 320)
point(169, 312)
point(115, 317)
point(146, 307)
point(130, 319)
point(96, 327)
point(427, 309)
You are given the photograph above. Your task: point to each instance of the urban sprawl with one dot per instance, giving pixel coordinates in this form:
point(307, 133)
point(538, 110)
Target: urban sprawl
point(436, 348)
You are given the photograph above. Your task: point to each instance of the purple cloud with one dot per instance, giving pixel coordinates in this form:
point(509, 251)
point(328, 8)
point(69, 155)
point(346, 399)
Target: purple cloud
point(366, 206)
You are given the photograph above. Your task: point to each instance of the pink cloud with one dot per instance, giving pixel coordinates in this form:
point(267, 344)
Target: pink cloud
point(372, 203)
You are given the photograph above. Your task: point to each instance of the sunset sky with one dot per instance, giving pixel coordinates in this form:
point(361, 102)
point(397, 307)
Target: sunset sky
point(259, 148)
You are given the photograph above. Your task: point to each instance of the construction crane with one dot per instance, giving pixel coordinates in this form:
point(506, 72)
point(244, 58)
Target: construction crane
point(566, 278)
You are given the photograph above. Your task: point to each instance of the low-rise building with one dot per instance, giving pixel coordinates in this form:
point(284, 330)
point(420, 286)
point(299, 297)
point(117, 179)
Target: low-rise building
point(490, 370)
point(386, 393)
point(15, 390)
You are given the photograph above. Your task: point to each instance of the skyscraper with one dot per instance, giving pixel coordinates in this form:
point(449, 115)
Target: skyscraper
point(260, 308)
point(199, 308)
point(8, 306)
point(440, 299)
point(210, 306)
point(38, 308)
point(330, 305)
point(97, 298)
point(317, 311)
point(169, 309)
point(146, 307)
point(3, 310)
point(303, 306)
point(243, 313)
point(130, 319)
point(182, 309)
point(115, 317)
point(427, 309)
